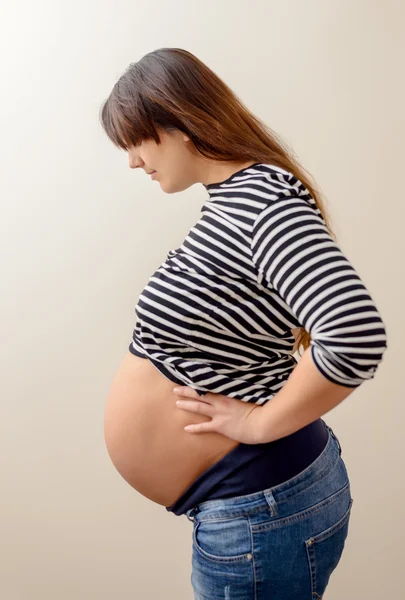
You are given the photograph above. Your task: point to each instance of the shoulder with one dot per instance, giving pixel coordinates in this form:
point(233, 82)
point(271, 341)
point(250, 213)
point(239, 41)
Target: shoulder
point(280, 195)
point(279, 182)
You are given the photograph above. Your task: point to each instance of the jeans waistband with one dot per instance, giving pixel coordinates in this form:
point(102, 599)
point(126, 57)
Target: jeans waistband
point(248, 504)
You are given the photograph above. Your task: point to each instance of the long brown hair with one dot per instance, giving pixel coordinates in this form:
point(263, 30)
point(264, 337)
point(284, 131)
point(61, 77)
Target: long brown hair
point(170, 88)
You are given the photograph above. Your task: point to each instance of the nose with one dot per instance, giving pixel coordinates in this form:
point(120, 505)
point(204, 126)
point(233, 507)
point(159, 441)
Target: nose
point(134, 160)
point(133, 163)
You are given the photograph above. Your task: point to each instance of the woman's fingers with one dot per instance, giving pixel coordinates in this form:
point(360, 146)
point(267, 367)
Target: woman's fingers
point(202, 408)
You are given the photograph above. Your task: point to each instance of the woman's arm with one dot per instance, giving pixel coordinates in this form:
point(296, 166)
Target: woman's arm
point(295, 255)
point(306, 396)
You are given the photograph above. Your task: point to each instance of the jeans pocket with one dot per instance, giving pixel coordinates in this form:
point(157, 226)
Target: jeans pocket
point(223, 540)
point(324, 551)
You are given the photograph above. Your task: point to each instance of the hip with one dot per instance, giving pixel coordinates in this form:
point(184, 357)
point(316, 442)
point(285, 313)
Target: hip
point(280, 542)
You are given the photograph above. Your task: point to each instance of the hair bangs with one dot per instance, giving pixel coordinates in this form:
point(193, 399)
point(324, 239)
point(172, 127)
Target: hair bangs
point(127, 124)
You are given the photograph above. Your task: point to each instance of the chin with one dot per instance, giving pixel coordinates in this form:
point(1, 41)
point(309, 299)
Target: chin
point(171, 189)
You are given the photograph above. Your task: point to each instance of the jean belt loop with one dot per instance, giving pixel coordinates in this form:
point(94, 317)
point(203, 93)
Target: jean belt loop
point(273, 508)
point(340, 447)
point(335, 438)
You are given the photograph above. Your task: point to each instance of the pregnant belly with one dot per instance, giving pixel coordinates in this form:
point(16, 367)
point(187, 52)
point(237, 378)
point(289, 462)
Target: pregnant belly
point(145, 437)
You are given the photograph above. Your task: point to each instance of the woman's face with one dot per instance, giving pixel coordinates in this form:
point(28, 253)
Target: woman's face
point(172, 160)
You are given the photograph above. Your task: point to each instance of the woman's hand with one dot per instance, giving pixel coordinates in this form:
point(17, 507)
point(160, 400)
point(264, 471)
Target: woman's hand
point(233, 418)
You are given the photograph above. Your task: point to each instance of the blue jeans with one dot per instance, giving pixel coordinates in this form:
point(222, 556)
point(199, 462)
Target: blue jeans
point(282, 543)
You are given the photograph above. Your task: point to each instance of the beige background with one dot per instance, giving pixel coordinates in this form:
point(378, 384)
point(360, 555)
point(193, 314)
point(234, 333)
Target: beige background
point(81, 233)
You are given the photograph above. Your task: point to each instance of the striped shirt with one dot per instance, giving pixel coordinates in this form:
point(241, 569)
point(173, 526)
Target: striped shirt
point(217, 314)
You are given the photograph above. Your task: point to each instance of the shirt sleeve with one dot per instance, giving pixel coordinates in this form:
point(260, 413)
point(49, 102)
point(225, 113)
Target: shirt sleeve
point(295, 254)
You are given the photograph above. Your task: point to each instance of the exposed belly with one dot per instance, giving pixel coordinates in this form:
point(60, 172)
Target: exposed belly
point(145, 437)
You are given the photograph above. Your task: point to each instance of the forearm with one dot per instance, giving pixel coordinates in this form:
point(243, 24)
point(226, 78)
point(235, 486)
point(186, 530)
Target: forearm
point(306, 396)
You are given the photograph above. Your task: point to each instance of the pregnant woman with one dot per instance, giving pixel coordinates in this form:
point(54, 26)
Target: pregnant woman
point(259, 276)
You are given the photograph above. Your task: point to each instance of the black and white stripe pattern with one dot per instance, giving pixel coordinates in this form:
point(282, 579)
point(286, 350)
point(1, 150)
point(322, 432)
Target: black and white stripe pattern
point(217, 314)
